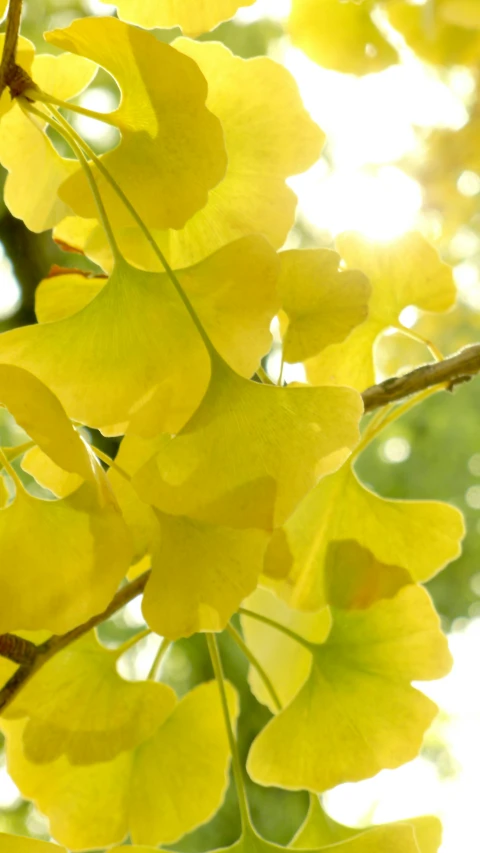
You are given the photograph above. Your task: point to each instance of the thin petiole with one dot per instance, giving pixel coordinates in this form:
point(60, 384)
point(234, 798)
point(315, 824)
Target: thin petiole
point(132, 641)
point(236, 763)
point(110, 462)
point(69, 137)
point(238, 639)
point(157, 661)
point(51, 100)
point(278, 627)
point(5, 463)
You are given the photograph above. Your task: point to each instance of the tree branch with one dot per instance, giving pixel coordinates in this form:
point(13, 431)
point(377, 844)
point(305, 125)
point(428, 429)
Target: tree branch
point(11, 74)
point(36, 656)
point(458, 368)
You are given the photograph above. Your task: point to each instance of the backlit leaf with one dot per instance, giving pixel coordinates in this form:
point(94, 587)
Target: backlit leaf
point(340, 36)
point(172, 150)
point(433, 35)
point(78, 706)
point(405, 272)
point(419, 536)
point(287, 663)
point(357, 713)
point(264, 146)
point(320, 830)
point(193, 16)
point(75, 554)
point(36, 169)
point(250, 452)
point(462, 13)
point(157, 792)
point(17, 844)
point(322, 303)
point(48, 474)
point(134, 343)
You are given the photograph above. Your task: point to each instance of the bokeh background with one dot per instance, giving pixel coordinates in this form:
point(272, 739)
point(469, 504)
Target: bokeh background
point(403, 152)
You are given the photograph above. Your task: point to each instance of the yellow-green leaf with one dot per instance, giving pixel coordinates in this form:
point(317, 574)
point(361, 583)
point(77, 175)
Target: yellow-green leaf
point(250, 452)
point(48, 474)
point(340, 36)
point(407, 271)
point(264, 146)
point(357, 712)
point(419, 536)
point(200, 574)
point(462, 13)
point(320, 830)
point(36, 169)
point(172, 150)
point(193, 16)
point(157, 792)
point(65, 293)
point(78, 706)
point(75, 554)
point(134, 343)
point(18, 844)
point(434, 37)
point(287, 662)
point(322, 303)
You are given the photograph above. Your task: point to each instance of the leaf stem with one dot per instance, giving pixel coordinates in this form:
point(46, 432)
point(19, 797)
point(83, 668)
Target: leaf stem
point(110, 462)
point(51, 100)
point(238, 639)
point(5, 463)
point(132, 641)
point(376, 427)
point(421, 340)
point(58, 119)
point(236, 763)
point(278, 627)
point(68, 136)
point(161, 652)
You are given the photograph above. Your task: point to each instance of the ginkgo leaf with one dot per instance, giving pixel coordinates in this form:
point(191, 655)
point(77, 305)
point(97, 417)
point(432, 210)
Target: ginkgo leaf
point(65, 292)
point(322, 303)
point(200, 574)
point(4, 495)
point(405, 272)
point(419, 536)
point(340, 36)
point(462, 13)
point(435, 38)
point(134, 343)
point(320, 830)
point(76, 553)
point(172, 149)
point(287, 662)
point(193, 16)
point(265, 146)
point(250, 451)
point(157, 792)
point(355, 579)
point(398, 839)
point(48, 474)
point(37, 410)
point(78, 706)
point(357, 713)
point(18, 844)
point(36, 169)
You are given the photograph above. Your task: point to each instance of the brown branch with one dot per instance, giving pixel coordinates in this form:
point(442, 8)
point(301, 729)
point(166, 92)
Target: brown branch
point(458, 368)
point(11, 74)
point(39, 655)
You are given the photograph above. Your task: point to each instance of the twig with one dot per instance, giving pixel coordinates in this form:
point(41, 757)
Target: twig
point(39, 655)
point(11, 74)
point(452, 371)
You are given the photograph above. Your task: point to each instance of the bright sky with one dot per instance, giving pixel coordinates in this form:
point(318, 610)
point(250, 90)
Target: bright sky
point(366, 191)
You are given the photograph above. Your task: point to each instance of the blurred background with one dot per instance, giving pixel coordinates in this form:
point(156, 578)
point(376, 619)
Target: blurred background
point(403, 152)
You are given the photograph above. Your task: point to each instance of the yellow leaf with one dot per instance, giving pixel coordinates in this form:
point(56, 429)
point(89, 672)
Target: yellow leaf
point(355, 579)
point(76, 553)
point(419, 536)
point(320, 830)
point(269, 136)
point(322, 303)
point(42, 416)
point(287, 662)
point(357, 713)
point(78, 706)
point(17, 844)
point(193, 16)
point(462, 13)
point(65, 293)
point(36, 169)
point(157, 792)
point(250, 451)
point(405, 272)
point(433, 35)
point(134, 343)
point(200, 574)
point(340, 36)
point(48, 474)
point(172, 150)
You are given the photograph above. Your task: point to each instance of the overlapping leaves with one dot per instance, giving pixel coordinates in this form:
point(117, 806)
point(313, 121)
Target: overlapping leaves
point(193, 16)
